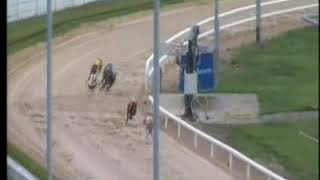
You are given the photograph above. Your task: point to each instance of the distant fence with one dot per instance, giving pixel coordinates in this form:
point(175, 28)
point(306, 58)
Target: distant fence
point(22, 9)
point(16, 172)
point(314, 20)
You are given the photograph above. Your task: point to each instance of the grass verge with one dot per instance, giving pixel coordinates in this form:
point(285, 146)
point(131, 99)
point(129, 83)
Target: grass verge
point(24, 33)
point(278, 146)
point(28, 163)
point(284, 73)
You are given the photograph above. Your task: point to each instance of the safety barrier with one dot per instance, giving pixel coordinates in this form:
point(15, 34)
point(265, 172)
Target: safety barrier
point(17, 172)
point(198, 141)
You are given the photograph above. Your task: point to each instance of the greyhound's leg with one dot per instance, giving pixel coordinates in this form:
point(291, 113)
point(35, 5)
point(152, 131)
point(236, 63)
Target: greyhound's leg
point(126, 120)
point(147, 132)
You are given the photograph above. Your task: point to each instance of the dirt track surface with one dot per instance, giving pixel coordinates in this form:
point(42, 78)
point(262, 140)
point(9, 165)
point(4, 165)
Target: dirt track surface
point(90, 141)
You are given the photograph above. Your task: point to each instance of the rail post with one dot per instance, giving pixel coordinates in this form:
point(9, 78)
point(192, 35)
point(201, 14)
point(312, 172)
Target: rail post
point(212, 151)
point(49, 115)
point(230, 160)
point(166, 122)
point(156, 89)
point(17, 9)
point(258, 22)
point(217, 36)
point(195, 143)
point(179, 130)
point(248, 172)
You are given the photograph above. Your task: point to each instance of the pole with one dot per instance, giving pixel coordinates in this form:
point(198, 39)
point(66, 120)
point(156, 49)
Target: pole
point(258, 22)
point(55, 5)
point(156, 91)
point(37, 7)
point(49, 59)
point(17, 9)
point(217, 36)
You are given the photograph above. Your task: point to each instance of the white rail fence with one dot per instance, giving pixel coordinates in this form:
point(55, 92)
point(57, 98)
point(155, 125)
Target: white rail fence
point(17, 172)
point(198, 141)
point(22, 9)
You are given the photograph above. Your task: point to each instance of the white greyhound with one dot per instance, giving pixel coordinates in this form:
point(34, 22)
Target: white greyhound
point(148, 123)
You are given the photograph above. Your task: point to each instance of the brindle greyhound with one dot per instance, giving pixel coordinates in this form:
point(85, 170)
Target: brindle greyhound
point(131, 110)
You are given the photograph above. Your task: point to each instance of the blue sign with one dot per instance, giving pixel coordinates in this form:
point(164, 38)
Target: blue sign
point(205, 71)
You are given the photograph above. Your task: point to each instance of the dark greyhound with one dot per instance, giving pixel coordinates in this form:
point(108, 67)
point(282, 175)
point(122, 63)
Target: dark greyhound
point(131, 110)
point(108, 77)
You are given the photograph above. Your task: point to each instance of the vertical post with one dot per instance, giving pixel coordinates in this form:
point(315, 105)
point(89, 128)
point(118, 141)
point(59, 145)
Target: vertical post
point(179, 130)
point(37, 7)
point(212, 151)
point(195, 143)
point(49, 59)
point(230, 160)
point(55, 5)
point(217, 37)
point(248, 172)
point(156, 90)
point(17, 9)
point(258, 22)
point(166, 122)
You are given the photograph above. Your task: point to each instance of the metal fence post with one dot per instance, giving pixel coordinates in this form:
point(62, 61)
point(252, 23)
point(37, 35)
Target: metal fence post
point(230, 160)
point(166, 122)
point(55, 5)
point(248, 172)
point(217, 37)
point(156, 90)
point(195, 142)
point(258, 22)
point(49, 59)
point(179, 130)
point(212, 151)
point(17, 3)
point(37, 7)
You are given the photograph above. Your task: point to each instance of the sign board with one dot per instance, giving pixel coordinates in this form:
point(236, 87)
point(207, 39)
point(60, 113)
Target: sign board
point(205, 73)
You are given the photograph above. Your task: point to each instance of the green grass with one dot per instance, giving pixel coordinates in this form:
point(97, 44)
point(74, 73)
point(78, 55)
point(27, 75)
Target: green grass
point(32, 166)
point(24, 33)
point(276, 144)
point(284, 73)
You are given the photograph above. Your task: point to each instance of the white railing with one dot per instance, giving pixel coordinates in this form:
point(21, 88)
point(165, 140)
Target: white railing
point(163, 59)
point(17, 172)
point(250, 165)
point(22, 9)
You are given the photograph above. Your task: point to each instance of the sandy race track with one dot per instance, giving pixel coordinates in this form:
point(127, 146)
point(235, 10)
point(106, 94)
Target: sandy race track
point(90, 141)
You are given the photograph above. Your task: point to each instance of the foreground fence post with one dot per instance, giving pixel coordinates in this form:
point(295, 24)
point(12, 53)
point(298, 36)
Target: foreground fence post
point(17, 5)
point(217, 37)
point(156, 90)
point(49, 59)
point(258, 22)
